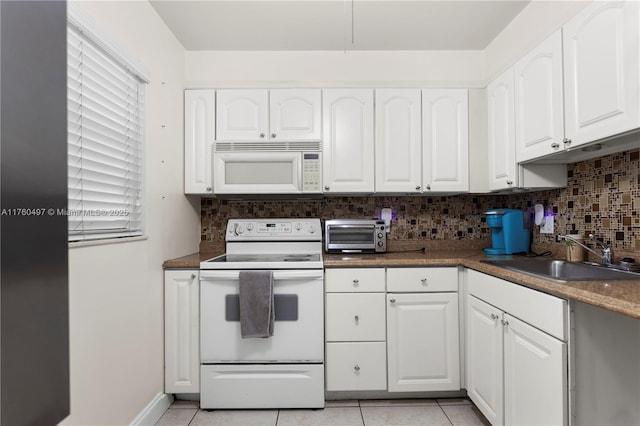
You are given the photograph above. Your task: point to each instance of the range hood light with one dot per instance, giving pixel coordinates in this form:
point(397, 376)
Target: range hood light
point(592, 148)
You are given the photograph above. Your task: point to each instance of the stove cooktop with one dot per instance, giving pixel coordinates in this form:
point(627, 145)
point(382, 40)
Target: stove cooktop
point(264, 261)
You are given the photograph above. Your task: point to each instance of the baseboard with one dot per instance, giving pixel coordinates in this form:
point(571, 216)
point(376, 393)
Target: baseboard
point(153, 411)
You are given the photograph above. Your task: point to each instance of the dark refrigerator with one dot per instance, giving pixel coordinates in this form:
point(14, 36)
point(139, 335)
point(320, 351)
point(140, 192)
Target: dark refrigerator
point(34, 307)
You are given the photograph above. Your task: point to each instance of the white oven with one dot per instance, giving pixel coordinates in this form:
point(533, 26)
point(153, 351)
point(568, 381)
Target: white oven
point(285, 370)
point(287, 172)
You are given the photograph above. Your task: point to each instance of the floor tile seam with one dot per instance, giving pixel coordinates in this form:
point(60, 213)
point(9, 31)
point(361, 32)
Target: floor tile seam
point(446, 415)
point(193, 417)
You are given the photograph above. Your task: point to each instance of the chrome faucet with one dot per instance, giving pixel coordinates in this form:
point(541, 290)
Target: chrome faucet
point(606, 250)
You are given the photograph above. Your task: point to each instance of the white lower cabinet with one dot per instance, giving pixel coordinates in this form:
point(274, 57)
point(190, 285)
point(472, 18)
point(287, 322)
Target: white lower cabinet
point(356, 356)
point(356, 366)
point(398, 333)
point(516, 372)
point(422, 342)
point(181, 331)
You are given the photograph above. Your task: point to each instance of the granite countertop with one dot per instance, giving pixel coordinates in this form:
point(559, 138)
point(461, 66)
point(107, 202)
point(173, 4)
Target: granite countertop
point(617, 296)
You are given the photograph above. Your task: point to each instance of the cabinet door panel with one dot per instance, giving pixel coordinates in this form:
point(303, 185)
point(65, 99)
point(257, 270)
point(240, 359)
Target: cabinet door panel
point(356, 366)
point(241, 115)
point(398, 140)
point(539, 100)
point(354, 280)
point(602, 71)
point(182, 332)
point(484, 359)
point(348, 148)
point(446, 140)
point(422, 279)
point(535, 376)
point(199, 134)
point(422, 342)
point(501, 132)
point(355, 317)
point(294, 114)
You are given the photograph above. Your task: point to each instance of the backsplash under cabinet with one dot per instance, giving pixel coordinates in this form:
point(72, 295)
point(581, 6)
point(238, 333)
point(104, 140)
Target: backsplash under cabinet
point(602, 197)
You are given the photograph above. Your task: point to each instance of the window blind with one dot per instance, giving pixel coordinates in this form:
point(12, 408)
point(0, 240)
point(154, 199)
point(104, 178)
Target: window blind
point(106, 106)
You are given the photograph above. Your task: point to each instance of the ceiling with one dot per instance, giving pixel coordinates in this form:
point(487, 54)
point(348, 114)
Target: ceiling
point(265, 25)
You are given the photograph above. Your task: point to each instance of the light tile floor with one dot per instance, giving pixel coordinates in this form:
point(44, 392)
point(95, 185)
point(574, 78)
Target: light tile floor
point(450, 411)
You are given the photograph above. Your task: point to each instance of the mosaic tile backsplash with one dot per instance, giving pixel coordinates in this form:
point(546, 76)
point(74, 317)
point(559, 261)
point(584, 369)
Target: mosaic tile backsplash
point(602, 197)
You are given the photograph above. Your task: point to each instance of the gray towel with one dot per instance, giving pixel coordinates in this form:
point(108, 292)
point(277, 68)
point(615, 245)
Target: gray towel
point(256, 304)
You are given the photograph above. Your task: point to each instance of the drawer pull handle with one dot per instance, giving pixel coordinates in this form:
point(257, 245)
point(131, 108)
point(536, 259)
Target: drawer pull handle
point(392, 300)
point(494, 317)
point(193, 276)
point(356, 282)
point(505, 323)
point(423, 281)
point(356, 367)
point(356, 319)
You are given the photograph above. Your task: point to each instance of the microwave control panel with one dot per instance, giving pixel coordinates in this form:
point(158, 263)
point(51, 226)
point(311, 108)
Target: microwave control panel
point(311, 172)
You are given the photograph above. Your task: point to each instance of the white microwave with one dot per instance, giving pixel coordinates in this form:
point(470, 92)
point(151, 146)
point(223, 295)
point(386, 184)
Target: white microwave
point(274, 172)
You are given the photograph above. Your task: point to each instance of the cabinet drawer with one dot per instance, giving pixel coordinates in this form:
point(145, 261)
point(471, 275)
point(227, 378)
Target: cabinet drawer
point(422, 279)
point(356, 366)
point(354, 280)
point(355, 317)
point(546, 312)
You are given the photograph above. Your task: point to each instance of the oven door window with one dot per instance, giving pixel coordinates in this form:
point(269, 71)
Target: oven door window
point(285, 307)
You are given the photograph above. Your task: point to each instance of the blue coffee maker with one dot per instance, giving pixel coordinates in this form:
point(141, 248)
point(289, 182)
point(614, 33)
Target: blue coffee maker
point(508, 232)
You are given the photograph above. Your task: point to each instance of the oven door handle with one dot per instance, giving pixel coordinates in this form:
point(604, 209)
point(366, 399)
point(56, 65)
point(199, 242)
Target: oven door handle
point(208, 275)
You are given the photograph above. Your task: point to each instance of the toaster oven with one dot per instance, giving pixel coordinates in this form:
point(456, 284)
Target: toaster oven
point(355, 236)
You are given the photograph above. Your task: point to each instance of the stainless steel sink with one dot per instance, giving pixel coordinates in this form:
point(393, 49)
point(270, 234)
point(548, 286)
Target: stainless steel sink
point(562, 270)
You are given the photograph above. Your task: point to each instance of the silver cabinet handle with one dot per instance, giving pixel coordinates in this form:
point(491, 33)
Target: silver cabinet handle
point(392, 300)
point(555, 145)
point(494, 317)
point(193, 276)
point(208, 189)
point(356, 282)
point(428, 187)
point(423, 281)
point(262, 135)
point(509, 182)
point(356, 319)
point(273, 135)
point(505, 323)
point(326, 188)
point(356, 367)
point(417, 187)
point(566, 141)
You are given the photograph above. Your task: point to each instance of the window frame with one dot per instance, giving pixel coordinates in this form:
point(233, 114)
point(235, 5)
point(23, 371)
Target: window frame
point(89, 32)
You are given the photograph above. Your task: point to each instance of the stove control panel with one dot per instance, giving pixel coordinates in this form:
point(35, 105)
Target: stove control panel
point(273, 229)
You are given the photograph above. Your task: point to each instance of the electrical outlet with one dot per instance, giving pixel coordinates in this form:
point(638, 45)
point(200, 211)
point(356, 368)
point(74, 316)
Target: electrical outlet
point(547, 228)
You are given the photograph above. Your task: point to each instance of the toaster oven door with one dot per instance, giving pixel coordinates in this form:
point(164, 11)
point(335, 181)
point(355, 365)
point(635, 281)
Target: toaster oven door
point(350, 238)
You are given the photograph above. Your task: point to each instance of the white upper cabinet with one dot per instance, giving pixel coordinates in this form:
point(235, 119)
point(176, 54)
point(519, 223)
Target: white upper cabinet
point(199, 130)
point(602, 71)
point(538, 100)
point(398, 140)
point(268, 115)
point(501, 132)
point(295, 114)
point(445, 151)
point(348, 147)
point(242, 115)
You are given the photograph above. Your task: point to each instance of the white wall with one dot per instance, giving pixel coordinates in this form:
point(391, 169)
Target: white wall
point(334, 69)
point(536, 21)
point(116, 290)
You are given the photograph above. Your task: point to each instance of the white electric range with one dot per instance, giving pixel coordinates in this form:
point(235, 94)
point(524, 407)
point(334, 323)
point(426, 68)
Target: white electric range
point(285, 370)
